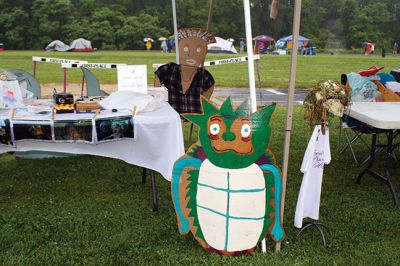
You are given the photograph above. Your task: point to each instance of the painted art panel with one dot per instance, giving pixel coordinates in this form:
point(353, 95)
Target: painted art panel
point(5, 132)
point(32, 130)
point(227, 188)
point(73, 130)
point(114, 128)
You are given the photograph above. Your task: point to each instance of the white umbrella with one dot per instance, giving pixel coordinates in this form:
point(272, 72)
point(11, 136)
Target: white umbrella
point(148, 39)
point(162, 39)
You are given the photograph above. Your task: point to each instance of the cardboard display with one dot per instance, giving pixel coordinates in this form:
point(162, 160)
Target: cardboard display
point(192, 52)
point(226, 189)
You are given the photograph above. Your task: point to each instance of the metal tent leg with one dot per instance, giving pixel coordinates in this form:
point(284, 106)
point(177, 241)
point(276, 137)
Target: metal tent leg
point(144, 172)
point(154, 189)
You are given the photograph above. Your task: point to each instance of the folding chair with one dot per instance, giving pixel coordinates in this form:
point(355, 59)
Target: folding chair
point(359, 131)
point(353, 131)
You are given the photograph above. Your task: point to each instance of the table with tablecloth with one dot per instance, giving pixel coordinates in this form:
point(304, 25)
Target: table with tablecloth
point(157, 142)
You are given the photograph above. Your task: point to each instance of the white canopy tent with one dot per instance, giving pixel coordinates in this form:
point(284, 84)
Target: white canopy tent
point(252, 87)
point(222, 46)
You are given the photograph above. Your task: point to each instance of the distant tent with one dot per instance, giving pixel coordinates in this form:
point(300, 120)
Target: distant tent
point(263, 44)
point(287, 40)
point(57, 46)
point(222, 46)
point(81, 45)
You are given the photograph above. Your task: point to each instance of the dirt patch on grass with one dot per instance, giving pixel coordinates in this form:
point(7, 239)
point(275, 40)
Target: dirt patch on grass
point(74, 88)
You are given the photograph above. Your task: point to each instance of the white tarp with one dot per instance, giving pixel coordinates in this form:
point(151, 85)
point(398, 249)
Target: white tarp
point(57, 46)
point(222, 46)
point(81, 45)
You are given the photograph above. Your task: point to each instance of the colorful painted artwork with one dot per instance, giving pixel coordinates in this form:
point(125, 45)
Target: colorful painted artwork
point(5, 132)
point(73, 130)
point(114, 128)
point(35, 130)
point(226, 189)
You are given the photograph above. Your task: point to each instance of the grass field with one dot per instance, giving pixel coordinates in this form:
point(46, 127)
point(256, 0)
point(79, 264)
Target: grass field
point(91, 210)
point(95, 211)
point(274, 69)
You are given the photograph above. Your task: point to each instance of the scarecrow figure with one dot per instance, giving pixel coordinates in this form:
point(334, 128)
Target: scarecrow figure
point(188, 80)
point(226, 189)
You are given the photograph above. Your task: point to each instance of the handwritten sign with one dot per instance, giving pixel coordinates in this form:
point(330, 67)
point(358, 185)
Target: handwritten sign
point(132, 78)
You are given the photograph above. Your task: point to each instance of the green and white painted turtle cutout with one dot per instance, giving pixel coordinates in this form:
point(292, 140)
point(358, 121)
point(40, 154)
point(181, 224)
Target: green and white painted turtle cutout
point(226, 189)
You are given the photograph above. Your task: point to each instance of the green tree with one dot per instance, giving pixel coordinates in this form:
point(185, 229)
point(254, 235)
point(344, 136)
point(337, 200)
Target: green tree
point(135, 29)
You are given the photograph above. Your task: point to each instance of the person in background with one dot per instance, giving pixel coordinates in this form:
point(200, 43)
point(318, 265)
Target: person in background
point(171, 44)
point(395, 48)
point(164, 47)
point(383, 49)
point(148, 45)
point(241, 46)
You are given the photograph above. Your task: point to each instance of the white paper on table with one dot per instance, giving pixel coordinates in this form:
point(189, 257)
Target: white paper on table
point(132, 78)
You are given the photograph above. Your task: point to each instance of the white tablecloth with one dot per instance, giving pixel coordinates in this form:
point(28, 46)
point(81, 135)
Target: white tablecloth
point(382, 115)
point(157, 145)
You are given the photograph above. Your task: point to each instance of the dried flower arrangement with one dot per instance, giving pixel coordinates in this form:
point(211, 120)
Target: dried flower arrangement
point(327, 98)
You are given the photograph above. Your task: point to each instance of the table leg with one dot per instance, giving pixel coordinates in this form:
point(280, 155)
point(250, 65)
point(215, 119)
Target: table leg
point(386, 178)
point(144, 175)
point(371, 159)
point(154, 189)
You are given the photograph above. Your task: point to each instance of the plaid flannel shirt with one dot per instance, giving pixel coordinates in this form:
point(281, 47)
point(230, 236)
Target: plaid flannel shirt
point(189, 102)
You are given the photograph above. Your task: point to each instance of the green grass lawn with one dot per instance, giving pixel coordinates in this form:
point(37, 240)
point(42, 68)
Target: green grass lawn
point(274, 69)
point(95, 210)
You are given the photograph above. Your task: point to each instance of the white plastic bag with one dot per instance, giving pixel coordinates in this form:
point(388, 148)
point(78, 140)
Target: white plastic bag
point(128, 100)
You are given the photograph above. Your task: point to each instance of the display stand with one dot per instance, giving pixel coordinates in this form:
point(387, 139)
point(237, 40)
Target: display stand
point(315, 223)
point(318, 226)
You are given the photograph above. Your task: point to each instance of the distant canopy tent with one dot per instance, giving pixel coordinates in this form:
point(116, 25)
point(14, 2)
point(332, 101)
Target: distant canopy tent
point(57, 46)
point(222, 46)
point(263, 43)
point(81, 45)
point(287, 41)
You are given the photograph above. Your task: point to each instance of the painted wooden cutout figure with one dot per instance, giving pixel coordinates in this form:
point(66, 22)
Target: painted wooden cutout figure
point(226, 189)
point(188, 80)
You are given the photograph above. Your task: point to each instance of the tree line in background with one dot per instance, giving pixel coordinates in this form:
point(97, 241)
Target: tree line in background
point(122, 24)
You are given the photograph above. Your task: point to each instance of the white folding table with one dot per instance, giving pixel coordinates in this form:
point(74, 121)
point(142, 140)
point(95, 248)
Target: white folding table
point(385, 117)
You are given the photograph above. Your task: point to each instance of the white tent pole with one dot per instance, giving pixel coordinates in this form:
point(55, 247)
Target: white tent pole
point(249, 43)
point(175, 31)
point(289, 111)
point(252, 82)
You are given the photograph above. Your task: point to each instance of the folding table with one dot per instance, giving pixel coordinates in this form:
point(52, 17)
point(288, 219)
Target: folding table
point(385, 117)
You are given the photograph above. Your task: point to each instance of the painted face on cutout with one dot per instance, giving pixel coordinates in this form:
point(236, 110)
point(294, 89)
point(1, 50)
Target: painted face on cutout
point(192, 51)
point(233, 138)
